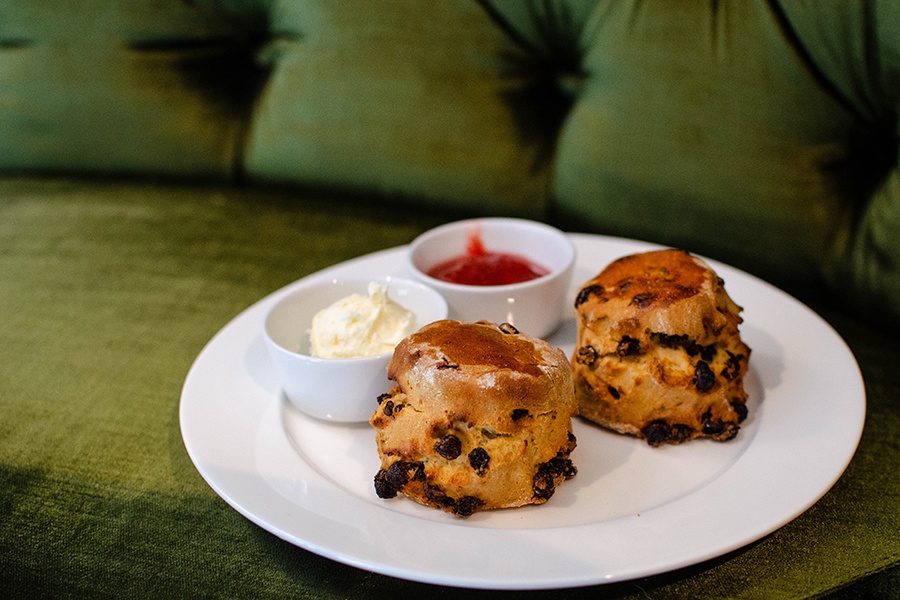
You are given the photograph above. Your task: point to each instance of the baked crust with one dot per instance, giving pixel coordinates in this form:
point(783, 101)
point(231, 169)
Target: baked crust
point(480, 418)
point(658, 352)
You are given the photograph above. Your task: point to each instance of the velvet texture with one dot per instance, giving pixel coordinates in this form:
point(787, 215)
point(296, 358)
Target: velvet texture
point(109, 293)
point(228, 147)
point(763, 133)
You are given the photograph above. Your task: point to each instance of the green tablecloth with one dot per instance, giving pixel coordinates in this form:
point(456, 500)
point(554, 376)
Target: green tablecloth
point(109, 291)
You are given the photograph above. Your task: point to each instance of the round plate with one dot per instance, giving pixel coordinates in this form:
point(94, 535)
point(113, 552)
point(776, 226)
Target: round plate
point(632, 510)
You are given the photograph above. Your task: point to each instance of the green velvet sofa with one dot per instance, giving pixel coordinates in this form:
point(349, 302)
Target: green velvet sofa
point(164, 164)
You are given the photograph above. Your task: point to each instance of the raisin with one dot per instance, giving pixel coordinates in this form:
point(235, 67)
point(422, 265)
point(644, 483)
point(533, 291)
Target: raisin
point(467, 505)
point(625, 285)
point(561, 466)
point(448, 446)
point(730, 430)
point(656, 432)
point(642, 300)
point(383, 487)
point(398, 408)
point(519, 413)
point(543, 484)
point(740, 408)
point(508, 328)
point(613, 392)
point(398, 473)
point(587, 355)
point(732, 366)
point(707, 353)
point(479, 459)
point(388, 408)
point(436, 495)
point(389, 481)
point(382, 398)
point(679, 433)
point(713, 427)
point(555, 466)
point(704, 378)
point(671, 341)
point(692, 348)
point(586, 293)
point(628, 346)
point(659, 432)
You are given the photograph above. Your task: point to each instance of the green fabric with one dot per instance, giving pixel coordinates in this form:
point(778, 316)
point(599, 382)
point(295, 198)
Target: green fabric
point(410, 100)
point(666, 154)
point(761, 133)
point(123, 87)
point(764, 134)
point(108, 293)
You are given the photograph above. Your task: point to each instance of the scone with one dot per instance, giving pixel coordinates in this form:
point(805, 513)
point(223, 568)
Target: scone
point(480, 418)
point(658, 352)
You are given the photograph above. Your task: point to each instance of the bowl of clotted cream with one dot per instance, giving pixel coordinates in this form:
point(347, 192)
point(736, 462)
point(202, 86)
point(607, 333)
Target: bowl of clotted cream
point(331, 340)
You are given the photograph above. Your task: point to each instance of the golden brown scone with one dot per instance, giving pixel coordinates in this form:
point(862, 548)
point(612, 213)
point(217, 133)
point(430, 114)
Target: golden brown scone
point(658, 353)
point(480, 418)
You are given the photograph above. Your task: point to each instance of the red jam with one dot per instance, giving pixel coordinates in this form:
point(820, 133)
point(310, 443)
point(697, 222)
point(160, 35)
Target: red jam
point(478, 266)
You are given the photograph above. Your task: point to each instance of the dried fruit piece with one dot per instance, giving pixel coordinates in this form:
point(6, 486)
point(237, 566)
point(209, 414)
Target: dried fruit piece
point(587, 355)
point(561, 465)
point(704, 378)
point(656, 432)
point(642, 300)
point(519, 413)
point(586, 293)
point(740, 408)
point(543, 484)
point(467, 505)
point(628, 346)
point(448, 446)
point(436, 495)
point(383, 487)
point(479, 459)
point(389, 481)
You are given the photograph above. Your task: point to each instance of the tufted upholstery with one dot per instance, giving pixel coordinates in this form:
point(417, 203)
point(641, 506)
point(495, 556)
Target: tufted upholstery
point(166, 163)
point(761, 133)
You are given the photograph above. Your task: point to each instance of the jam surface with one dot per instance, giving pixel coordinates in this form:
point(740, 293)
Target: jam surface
point(479, 266)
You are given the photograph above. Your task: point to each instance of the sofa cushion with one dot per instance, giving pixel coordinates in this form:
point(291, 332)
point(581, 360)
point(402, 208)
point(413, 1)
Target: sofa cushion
point(764, 134)
point(101, 86)
point(411, 100)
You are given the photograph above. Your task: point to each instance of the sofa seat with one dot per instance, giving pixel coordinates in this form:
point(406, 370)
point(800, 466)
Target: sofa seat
point(111, 289)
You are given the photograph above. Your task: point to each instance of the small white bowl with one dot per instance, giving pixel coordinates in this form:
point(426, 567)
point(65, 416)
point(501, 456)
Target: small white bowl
point(534, 307)
point(337, 389)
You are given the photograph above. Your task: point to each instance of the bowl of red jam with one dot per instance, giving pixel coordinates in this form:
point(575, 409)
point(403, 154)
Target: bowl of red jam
point(501, 270)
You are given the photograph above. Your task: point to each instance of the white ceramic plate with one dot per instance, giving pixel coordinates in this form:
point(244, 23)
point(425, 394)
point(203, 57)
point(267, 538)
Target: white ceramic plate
point(632, 511)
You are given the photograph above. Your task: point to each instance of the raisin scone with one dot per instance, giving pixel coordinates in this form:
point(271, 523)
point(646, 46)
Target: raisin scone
point(658, 353)
point(480, 418)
